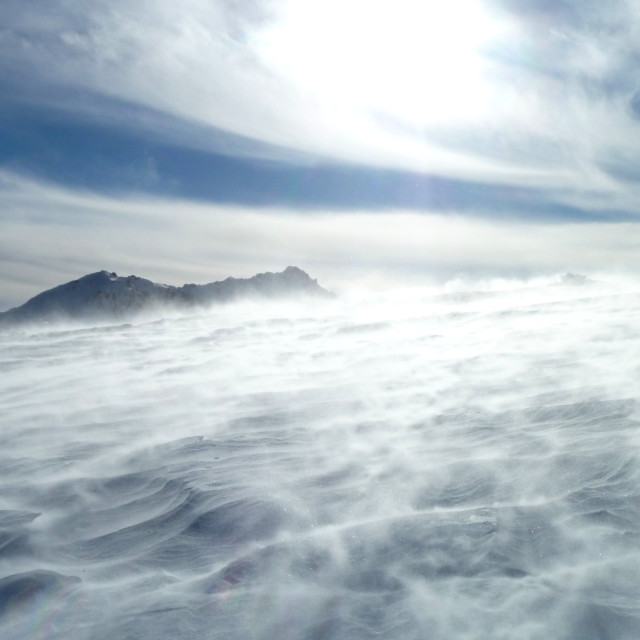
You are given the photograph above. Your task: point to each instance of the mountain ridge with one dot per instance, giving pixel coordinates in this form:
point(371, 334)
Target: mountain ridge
point(103, 295)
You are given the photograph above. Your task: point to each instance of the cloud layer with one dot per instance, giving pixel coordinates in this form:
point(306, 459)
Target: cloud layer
point(558, 112)
point(448, 153)
point(51, 235)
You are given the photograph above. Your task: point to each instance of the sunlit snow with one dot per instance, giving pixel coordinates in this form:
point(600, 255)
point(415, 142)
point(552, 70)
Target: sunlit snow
point(456, 463)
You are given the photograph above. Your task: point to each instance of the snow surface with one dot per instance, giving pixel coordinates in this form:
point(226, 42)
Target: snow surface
point(435, 464)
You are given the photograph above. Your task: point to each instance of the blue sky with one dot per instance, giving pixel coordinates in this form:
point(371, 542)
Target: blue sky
point(367, 141)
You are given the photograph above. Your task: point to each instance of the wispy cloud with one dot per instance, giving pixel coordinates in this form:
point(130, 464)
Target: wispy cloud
point(503, 124)
point(566, 73)
point(558, 80)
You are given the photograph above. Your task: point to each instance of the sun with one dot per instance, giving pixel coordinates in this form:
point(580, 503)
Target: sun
point(417, 61)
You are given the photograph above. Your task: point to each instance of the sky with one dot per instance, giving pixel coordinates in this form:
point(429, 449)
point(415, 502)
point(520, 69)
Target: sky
point(363, 141)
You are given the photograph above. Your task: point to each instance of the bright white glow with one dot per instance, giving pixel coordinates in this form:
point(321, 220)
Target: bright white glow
point(413, 60)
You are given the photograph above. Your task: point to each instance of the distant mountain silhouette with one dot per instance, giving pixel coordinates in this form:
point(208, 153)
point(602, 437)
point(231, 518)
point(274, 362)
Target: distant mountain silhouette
point(106, 296)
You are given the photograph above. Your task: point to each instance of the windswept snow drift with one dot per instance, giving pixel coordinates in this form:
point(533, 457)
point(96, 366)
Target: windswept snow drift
point(457, 464)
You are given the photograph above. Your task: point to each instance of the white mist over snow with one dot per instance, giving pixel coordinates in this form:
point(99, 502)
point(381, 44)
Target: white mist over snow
point(431, 464)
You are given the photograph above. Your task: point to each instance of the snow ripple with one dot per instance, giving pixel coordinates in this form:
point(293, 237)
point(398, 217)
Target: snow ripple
point(432, 467)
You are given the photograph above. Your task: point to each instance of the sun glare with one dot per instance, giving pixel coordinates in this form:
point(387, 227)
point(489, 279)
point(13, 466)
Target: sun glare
point(413, 60)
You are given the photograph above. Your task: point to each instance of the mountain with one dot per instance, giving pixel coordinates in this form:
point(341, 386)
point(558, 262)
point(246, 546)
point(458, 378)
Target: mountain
point(106, 296)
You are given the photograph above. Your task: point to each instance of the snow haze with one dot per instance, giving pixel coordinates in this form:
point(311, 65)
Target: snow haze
point(457, 462)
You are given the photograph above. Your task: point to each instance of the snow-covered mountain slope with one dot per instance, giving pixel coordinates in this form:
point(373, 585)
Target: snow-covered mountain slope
point(107, 296)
